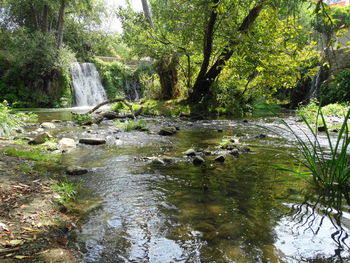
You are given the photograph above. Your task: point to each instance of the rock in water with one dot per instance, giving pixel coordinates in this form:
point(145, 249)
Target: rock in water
point(198, 160)
point(76, 170)
point(158, 162)
point(167, 131)
point(66, 144)
point(40, 139)
point(92, 141)
point(220, 158)
point(48, 125)
point(190, 152)
point(235, 153)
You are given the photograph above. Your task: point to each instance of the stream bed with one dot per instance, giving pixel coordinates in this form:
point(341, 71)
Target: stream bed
point(242, 210)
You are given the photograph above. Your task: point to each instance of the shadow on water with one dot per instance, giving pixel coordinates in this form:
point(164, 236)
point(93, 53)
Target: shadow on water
point(243, 210)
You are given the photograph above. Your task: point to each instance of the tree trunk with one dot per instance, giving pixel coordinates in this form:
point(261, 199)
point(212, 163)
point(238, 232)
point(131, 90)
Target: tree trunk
point(45, 21)
point(60, 28)
point(147, 12)
point(205, 80)
point(168, 76)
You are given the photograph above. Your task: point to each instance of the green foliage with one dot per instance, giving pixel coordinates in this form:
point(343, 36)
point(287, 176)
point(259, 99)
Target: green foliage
point(82, 118)
point(67, 190)
point(131, 125)
point(35, 154)
point(338, 90)
point(170, 108)
point(310, 111)
point(114, 76)
point(8, 120)
point(330, 167)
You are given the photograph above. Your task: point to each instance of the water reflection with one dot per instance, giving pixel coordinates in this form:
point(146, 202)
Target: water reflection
point(323, 221)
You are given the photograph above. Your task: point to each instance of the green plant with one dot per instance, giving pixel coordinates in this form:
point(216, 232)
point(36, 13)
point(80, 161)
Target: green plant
point(131, 125)
point(329, 166)
point(67, 190)
point(8, 121)
point(81, 118)
point(32, 154)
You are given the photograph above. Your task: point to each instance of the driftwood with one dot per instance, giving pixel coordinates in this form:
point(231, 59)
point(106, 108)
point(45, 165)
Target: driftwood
point(110, 115)
point(112, 101)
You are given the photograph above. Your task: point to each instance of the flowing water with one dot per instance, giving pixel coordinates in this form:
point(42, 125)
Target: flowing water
point(242, 210)
point(87, 86)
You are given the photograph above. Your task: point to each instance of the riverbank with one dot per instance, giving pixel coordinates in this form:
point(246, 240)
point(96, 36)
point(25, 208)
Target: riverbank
point(33, 225)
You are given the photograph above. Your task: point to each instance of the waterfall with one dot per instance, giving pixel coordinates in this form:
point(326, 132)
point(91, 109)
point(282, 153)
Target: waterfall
point(87, 86)
point(316, 84)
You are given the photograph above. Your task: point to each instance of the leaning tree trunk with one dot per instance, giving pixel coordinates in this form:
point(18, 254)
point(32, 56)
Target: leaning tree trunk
point(168, 76)
point(206, 77)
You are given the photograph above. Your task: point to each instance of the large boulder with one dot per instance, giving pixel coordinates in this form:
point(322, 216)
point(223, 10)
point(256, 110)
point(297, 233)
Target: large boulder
point(40, 139)
point(92, 141)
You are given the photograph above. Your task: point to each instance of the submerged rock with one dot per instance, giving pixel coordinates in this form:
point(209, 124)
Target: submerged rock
point(198, 160)
point(40, 139)
point(220, 158)
point(92, 141)
point(76, 170)
point(167, 131)
point(48, 125)
point(190, 152)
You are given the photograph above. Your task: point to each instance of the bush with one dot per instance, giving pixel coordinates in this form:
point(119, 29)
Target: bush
point(338, 90)
point(8, 121)
point(131, 125)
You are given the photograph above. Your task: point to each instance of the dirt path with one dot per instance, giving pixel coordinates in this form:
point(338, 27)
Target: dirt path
point(33, 227)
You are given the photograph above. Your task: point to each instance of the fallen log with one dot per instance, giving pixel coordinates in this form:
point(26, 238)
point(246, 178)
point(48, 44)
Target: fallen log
point(109, 102)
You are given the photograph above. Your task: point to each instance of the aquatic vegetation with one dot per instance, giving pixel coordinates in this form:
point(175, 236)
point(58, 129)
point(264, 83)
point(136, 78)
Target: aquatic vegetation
point(329, 166)
point(131, 125)
point(81, 118)
point(67, 190)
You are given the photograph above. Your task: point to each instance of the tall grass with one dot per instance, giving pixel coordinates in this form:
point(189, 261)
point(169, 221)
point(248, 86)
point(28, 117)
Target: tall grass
point(330, 165)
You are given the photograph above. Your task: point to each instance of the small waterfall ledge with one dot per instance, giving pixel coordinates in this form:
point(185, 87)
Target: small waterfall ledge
point(87, 86)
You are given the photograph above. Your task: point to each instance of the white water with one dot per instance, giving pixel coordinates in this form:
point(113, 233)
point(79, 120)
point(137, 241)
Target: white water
point(88, 89)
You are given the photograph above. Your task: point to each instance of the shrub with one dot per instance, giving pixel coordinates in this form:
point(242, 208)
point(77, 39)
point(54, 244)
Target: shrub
point(131, 125)
point(67, 190)
point(338, 90)
point(8, 121)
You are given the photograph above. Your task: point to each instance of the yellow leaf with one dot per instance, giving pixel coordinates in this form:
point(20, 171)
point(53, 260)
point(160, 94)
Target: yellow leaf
point(22, 257)
point(16, 242)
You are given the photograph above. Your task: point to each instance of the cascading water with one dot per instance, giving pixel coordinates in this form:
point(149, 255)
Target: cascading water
point(88, 89)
